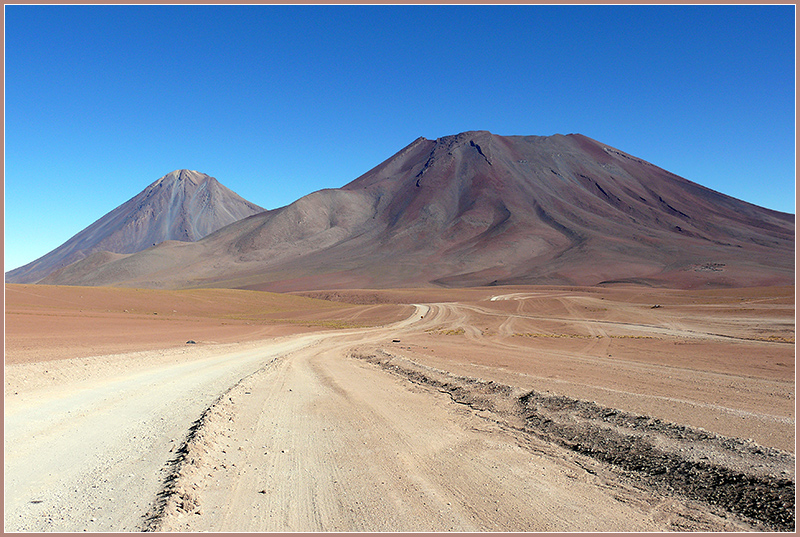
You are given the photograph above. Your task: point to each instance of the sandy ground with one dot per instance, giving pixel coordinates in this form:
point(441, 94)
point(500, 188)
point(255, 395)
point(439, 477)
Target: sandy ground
point(441, 421)
point(55, 322)
point(722, 360)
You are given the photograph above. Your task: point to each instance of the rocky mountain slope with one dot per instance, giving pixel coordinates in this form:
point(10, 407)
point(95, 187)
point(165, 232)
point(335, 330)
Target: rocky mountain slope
point(480, 209)
point(184, 205)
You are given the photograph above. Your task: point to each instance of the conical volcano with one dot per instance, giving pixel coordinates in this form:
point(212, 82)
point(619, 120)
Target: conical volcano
point(480, 209)
point(184, 205)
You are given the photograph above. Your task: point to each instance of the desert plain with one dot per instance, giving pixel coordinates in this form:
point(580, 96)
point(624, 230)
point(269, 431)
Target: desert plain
point(507, 408)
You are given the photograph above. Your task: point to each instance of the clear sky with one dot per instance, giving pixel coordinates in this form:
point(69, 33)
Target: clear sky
point(279, 101)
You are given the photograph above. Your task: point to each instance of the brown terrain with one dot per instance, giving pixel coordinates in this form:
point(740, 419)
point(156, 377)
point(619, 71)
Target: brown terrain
point(520, 408)
point(482, 333)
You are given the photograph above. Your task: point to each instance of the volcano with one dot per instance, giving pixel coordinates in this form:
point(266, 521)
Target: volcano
point(183, 205)
point(479, 209)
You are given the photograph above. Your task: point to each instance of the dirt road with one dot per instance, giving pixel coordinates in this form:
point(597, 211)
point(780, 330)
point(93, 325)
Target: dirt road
point(86, 448)
point(357, 430)
point(318, 442)
point(325, 440)
point(90, 454)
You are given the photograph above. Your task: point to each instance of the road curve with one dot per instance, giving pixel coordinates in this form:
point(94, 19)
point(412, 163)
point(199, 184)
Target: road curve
point(303, 433)
point(324, 441)
point(91, 455)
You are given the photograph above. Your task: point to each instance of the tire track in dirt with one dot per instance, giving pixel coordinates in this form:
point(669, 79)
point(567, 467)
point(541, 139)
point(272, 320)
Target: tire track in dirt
point(674, 330)
point(593, 355)
point(739, 476)
point(323, 442)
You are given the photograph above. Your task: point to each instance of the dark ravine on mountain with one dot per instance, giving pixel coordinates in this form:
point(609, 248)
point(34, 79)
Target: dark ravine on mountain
point(475, 209)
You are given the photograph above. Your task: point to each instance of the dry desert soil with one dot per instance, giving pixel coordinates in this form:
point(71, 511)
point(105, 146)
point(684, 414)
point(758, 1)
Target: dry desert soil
point(488, 409)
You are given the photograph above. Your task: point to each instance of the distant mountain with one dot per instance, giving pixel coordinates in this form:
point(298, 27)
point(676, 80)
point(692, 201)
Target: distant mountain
point(480, 209)
point(184, 205)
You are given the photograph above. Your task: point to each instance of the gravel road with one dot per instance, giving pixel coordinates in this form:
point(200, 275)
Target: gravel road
point(90, 454)
point(318, 441)
point(301, 433)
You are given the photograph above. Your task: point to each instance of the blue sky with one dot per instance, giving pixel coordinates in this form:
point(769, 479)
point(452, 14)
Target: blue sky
point(279, 101)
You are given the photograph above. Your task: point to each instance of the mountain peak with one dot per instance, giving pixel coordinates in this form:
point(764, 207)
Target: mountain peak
point(463, 137)
point(192, 176)
point(183, 205)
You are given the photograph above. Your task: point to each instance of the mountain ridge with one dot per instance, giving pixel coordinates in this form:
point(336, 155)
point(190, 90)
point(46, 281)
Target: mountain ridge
point(481, 209)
